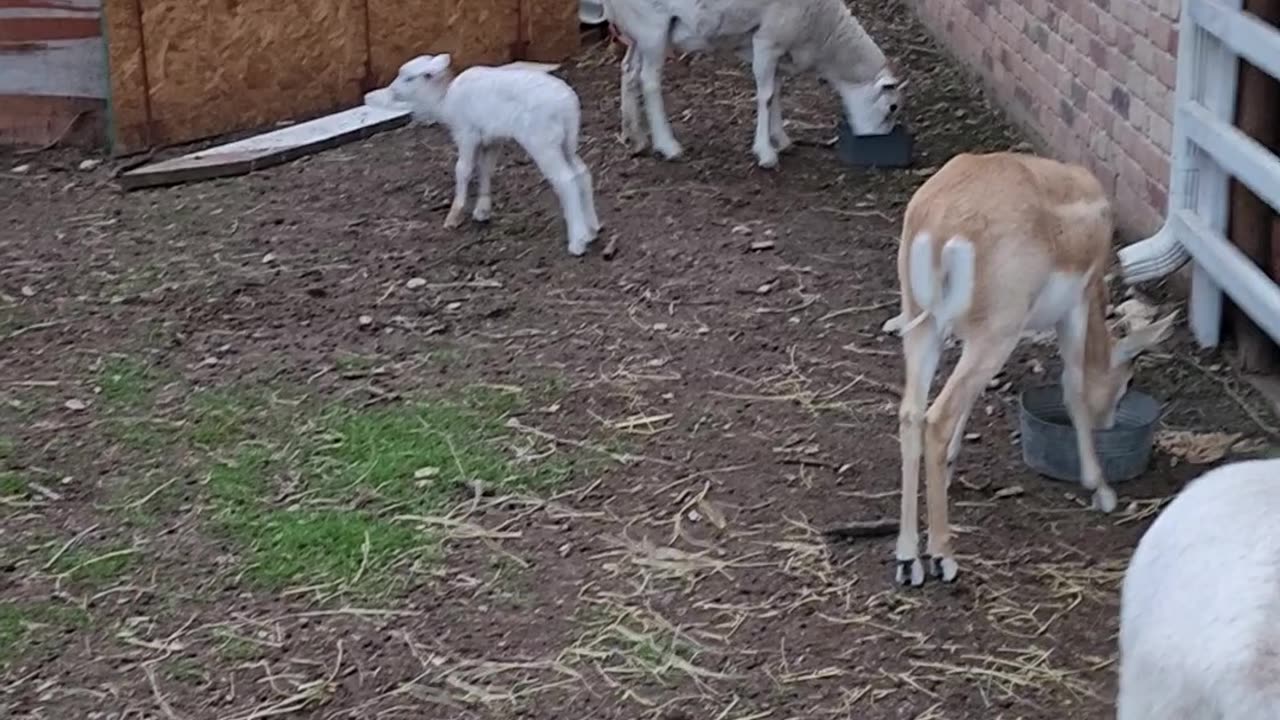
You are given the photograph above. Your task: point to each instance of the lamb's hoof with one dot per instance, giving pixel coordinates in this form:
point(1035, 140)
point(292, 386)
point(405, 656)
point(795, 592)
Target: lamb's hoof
point(482, 213)
point(893, 324)
point(453, 219)
point(910, 573)
point(1104, 499)
point(782, 143)
point(944, 568)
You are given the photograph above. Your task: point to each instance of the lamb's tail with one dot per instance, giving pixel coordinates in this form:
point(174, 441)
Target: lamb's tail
point(946, 292)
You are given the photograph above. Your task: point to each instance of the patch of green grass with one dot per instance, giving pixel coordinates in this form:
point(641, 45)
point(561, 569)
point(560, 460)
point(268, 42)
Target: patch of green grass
point(224, 417)
point(233, 648)
point(11, 484)
point(335, 502)
point(8, 449)
point(126, 382)
point(24, 625)
point(94, 566)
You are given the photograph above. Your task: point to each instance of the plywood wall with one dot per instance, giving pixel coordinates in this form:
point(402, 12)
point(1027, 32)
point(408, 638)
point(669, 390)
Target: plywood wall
point(53, 76)
point(182, 70)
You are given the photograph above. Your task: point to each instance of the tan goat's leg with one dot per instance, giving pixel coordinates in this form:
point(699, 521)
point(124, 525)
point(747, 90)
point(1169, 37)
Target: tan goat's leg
point(1071, 344)
point(981, 360)
point(921, 349)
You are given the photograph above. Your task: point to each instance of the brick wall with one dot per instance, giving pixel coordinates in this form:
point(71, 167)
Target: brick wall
point(1093, 79)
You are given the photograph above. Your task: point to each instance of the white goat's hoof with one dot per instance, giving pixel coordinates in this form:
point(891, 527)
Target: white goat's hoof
point(482, 213)
point(910, 572)
point(767, 159)
point(1104, 499)
point(670, 151)
point(635, 144)
point(781, 143)
point(944, 568)
point(454, 218)
point(577, 249)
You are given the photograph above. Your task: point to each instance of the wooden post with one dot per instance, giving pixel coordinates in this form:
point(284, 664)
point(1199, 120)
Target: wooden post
point(1254, 225)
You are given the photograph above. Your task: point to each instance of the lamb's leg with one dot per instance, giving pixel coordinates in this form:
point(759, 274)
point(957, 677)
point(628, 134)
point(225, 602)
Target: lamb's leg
point(1071, 344)
point(633, 132)
point(467, 148)
point(764, 63)
point(583, 175)
point(553, 164)
point(484, 169)
point(652, 56)
point(777, 133)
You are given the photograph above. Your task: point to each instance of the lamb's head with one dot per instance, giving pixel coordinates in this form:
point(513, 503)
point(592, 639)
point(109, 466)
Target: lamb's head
point(1104, 390)
point(421, 84)
point(872, 107)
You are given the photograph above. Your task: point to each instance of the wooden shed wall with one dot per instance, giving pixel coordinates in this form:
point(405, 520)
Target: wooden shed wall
point(54, 80)
point(183, 71)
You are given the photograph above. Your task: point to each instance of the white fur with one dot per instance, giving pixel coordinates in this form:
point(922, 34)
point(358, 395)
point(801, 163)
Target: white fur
point(953, 280)
point(483, 106)
point(817, 35)
point(1200, 606)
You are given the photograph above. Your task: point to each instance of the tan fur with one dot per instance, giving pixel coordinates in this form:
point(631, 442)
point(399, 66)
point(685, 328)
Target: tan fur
point(1030, 221)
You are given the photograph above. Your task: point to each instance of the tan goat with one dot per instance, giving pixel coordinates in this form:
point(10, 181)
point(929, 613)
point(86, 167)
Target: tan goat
point(994, 245)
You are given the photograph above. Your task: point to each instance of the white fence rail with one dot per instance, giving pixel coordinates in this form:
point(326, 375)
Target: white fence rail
point(1207, 152)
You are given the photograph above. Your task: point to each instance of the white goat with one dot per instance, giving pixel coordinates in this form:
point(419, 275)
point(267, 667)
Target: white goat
point(818, 35)
point(485, 105)
point(1200, 606)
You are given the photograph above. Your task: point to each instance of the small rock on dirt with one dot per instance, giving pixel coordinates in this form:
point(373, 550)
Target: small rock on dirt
point(90, 164)
point(415, 283)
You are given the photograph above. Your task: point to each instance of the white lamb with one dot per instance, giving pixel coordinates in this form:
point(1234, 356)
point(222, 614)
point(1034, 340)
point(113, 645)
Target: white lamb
point(818, 35)
point(1200, 606)
point(485, 105)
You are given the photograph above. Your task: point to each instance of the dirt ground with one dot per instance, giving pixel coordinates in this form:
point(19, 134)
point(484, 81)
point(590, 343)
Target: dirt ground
point(705, 403)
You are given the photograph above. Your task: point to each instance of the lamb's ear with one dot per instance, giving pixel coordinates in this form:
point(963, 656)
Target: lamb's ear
point(440, 63)
point(1143, 339)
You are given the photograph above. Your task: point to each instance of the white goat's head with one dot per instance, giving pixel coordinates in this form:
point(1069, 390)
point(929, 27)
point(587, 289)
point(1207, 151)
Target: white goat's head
point(421, 84)
point(872, 107)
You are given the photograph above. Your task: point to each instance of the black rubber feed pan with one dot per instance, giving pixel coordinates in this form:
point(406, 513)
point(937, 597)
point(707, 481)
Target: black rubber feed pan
point(891, 150)
point(1049, 440)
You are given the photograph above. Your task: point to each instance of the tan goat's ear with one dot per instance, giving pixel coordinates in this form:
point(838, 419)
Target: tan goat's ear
point(1142, 339)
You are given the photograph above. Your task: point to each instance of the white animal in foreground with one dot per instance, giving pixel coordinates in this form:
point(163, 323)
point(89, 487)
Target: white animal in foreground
point(1200, 605)
point(485, 105)
point(818, 35)
point(993, 245)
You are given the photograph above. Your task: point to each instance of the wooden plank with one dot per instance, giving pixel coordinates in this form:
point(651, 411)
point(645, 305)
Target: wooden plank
point(266, 150)
point(1257, 106)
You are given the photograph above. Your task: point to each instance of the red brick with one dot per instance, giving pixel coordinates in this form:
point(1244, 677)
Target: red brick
point(1166, 69)
point(1144, 54)
point(1139, 115)
point(1161, 133)
point(1161, 32)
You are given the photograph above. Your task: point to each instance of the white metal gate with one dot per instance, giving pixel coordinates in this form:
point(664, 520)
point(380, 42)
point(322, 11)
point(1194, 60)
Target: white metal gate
point(1207, 152)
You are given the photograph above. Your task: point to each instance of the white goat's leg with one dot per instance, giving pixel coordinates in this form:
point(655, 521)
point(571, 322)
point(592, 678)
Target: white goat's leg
point(981, 359)
point(583, 175)
point(652, 57)
point(551, 161)
point(777, 132)
point(634, 135)
point(921, 349)
point(764, 63)
point(484, 170)
point(953, 448)
point(467, 148)
point(1071, 344)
